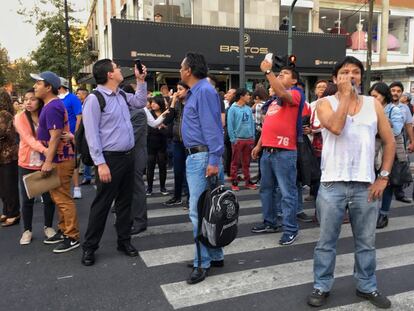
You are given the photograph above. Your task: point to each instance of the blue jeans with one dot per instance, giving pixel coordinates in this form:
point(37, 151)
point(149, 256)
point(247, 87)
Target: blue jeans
point(87, 174)
point(279, 171)
point(386, 200)
point(196, 165)
point(279, 198)
point(333, 197)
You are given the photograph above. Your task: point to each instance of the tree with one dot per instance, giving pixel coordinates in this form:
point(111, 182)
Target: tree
point(51, 54)
point(19, 74)
point(4, 65)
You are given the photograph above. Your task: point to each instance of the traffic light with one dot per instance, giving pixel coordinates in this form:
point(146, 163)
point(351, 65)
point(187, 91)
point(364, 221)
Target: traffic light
point(292, 60)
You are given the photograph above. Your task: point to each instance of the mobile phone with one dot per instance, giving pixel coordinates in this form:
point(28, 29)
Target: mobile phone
point(139, 65)
point(269, 57)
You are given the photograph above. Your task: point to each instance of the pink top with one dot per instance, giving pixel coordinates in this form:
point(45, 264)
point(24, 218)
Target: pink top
point(29, 148)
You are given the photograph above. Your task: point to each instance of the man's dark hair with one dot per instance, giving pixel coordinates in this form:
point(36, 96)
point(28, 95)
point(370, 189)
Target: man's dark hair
point(100, 70)
point(197, 63)
point(383, 89)
point(55, 91)
point(240, 93)
point(295, 74)
point(397, 84)
point(346, 61)
point(183, 84)
point(83, 89)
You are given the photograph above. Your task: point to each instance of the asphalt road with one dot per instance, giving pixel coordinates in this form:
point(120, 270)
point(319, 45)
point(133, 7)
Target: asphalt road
point(258, 273)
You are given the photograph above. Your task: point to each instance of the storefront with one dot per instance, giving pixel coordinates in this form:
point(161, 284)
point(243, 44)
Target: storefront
point(162, 46)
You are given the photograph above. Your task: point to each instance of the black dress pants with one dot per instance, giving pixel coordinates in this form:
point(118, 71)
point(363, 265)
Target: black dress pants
point(9, 189)
point(120, 189)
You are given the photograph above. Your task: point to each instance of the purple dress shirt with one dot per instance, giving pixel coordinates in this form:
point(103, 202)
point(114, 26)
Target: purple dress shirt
point(111, 130)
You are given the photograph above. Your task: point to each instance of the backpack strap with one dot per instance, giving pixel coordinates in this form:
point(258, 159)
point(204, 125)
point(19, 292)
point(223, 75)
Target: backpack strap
point(101, 99)
point(123, 94)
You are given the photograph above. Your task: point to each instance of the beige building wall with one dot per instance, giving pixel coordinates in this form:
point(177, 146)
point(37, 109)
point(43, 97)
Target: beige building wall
point(259, 14)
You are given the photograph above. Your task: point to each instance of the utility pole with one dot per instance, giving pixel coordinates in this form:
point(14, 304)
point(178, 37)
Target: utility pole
point(384, 31)
point(67, 34)
point(241, 47)
point(290, 34)
point(369, 48)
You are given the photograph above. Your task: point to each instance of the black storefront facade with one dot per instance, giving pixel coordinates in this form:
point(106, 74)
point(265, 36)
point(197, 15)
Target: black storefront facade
point(162, 46)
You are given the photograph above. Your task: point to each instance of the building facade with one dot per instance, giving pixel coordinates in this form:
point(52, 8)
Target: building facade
point(393, 40)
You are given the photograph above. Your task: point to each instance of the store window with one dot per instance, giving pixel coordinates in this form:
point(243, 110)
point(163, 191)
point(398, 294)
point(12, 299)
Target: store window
point(300, 18)
point(353, 24)
point(173, 11)
point(398, 34)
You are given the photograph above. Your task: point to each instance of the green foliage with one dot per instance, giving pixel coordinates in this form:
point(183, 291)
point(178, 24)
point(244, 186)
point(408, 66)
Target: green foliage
point(51, 53)
point(19, 74)
point(4, 65)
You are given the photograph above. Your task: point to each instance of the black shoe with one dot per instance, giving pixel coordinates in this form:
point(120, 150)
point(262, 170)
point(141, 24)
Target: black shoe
point(317, 298)
point(197, 275)
point(135, 231)
point(57, 238)
point(173, 201)
point(128, 249)
point(88, 258)
point(67, 245)
point(303, 217)
point(262, 228)
point(164, 191)
point(213, 263)
point(382, 221)
point(376, 299)
point(404, 199)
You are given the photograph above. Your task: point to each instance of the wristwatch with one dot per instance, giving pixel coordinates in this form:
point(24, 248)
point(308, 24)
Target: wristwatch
point(384, 174)
point(267, 72)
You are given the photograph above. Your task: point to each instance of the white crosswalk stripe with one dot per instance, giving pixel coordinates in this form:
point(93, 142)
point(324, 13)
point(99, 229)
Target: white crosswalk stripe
point(219, 288)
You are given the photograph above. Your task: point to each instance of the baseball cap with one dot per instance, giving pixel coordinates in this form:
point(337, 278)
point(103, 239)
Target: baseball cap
point(49, 77)
point(64, 82)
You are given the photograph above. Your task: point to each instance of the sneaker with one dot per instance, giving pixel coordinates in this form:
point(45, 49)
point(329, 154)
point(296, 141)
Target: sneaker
point(250, 186)
point(234, 186)
point(26, 238)
point(288, 238)
point(262, 228)
point(57, 238)
point(173, 201)
point(67, 245)
point(49, 232)
point(149, 192)
point(317, 298)
point(77, 194)
point(164, 191)
point(376, 299)
point(303, 217)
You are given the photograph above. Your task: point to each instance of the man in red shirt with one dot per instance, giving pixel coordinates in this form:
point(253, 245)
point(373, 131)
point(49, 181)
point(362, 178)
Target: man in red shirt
point(278, 162)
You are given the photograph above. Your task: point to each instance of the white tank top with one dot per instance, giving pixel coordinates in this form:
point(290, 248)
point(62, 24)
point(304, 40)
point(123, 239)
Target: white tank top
point(350, 156)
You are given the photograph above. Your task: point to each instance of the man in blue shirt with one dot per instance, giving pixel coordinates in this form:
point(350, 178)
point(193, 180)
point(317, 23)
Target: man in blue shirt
point(202, 133)
point(74, 108)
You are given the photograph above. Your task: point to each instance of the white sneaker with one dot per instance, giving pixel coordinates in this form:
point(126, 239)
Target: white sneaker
point(77, 194)
point(26, 238)
point(49, 232)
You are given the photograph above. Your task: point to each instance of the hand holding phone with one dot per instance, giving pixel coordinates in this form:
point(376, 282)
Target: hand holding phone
point(139, 65)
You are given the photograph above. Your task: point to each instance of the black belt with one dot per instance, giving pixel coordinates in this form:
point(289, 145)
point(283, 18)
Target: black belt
point(273, 149)
point(117, 153)
point(196, 149)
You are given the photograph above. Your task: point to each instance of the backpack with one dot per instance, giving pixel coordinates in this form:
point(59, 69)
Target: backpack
point(218, 214)
point(81, 145)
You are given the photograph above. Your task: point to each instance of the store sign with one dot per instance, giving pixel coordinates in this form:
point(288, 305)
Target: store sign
point(164, 45)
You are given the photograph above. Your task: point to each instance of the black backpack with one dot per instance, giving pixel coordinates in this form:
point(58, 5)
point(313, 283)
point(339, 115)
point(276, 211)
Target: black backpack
point(218, 215)
point(81, 145)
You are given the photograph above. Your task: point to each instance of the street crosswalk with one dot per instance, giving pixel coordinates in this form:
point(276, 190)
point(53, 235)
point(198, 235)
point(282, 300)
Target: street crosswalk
point(256, 265)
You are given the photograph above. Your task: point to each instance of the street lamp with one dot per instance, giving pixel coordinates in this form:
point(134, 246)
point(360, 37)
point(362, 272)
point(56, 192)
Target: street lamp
point(241, 46)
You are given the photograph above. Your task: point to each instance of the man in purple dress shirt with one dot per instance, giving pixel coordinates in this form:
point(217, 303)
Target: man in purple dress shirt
point(111, 141)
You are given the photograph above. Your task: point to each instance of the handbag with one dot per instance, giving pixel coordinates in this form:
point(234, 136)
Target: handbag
point(400, 174)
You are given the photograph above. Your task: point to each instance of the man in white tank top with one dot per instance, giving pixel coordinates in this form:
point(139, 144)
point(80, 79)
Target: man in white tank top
point(350, 123)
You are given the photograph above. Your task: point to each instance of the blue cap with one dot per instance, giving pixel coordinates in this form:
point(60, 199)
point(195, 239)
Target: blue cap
point(49, 77)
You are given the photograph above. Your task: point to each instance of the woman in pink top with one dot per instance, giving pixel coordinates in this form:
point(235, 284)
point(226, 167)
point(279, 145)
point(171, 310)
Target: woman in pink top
point(26, 124)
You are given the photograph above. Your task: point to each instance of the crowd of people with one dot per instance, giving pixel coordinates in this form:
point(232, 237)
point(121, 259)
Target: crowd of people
point(342, 145)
